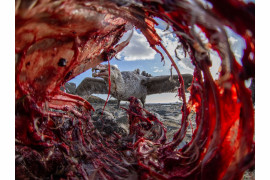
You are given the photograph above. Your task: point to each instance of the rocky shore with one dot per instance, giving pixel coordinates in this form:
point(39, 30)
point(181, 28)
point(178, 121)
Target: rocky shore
point(169, 114)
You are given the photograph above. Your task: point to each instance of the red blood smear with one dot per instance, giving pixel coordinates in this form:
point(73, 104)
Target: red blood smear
point(55, 136)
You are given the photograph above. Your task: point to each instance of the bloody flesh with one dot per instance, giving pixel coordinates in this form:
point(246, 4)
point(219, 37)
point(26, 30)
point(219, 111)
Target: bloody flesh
point(55, 135)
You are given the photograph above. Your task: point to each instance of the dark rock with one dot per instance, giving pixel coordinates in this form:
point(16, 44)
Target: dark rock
point(123, 120)
point(162, 112)
point(69, 88)
point(106, 123)
point(137, 71)
point(144, 73)
point(94, 99)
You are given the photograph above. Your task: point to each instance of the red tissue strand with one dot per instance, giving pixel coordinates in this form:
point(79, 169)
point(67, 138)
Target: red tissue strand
point(55, 134)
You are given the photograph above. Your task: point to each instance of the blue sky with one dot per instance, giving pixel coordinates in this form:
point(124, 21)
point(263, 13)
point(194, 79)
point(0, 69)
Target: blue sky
point(138, 54)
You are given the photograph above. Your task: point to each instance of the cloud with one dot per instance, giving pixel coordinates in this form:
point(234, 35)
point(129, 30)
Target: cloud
point(237, 44)
point(137, 49)
point(232, 40)
point(170, 42)
point(186, 64)
point(237, 55)
point(115, 65)
point(216, 62)
point(157, 70)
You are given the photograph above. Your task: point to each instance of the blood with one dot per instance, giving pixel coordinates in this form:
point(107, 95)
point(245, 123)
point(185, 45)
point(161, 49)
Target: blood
point(55, 134)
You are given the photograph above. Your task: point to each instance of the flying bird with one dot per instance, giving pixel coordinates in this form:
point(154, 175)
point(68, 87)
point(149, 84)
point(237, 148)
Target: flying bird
point(129, 83)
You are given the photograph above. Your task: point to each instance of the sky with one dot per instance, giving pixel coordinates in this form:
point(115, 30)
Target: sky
point(138, 54)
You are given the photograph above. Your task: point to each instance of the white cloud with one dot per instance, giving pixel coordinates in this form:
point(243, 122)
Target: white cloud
point(137, 49)
point(237, 44)
point(202, 35)
point(170, 42)
point(186, 66)
point(216, 62)
point(157, 70)
point(232, 40)
point(237, 55)
point(115, 65)
point(118, 56)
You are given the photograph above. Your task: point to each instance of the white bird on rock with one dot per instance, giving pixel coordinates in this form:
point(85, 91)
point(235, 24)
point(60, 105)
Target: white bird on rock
point(129, 83)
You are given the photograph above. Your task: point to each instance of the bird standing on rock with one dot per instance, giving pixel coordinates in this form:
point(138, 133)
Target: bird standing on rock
point(129, 83)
